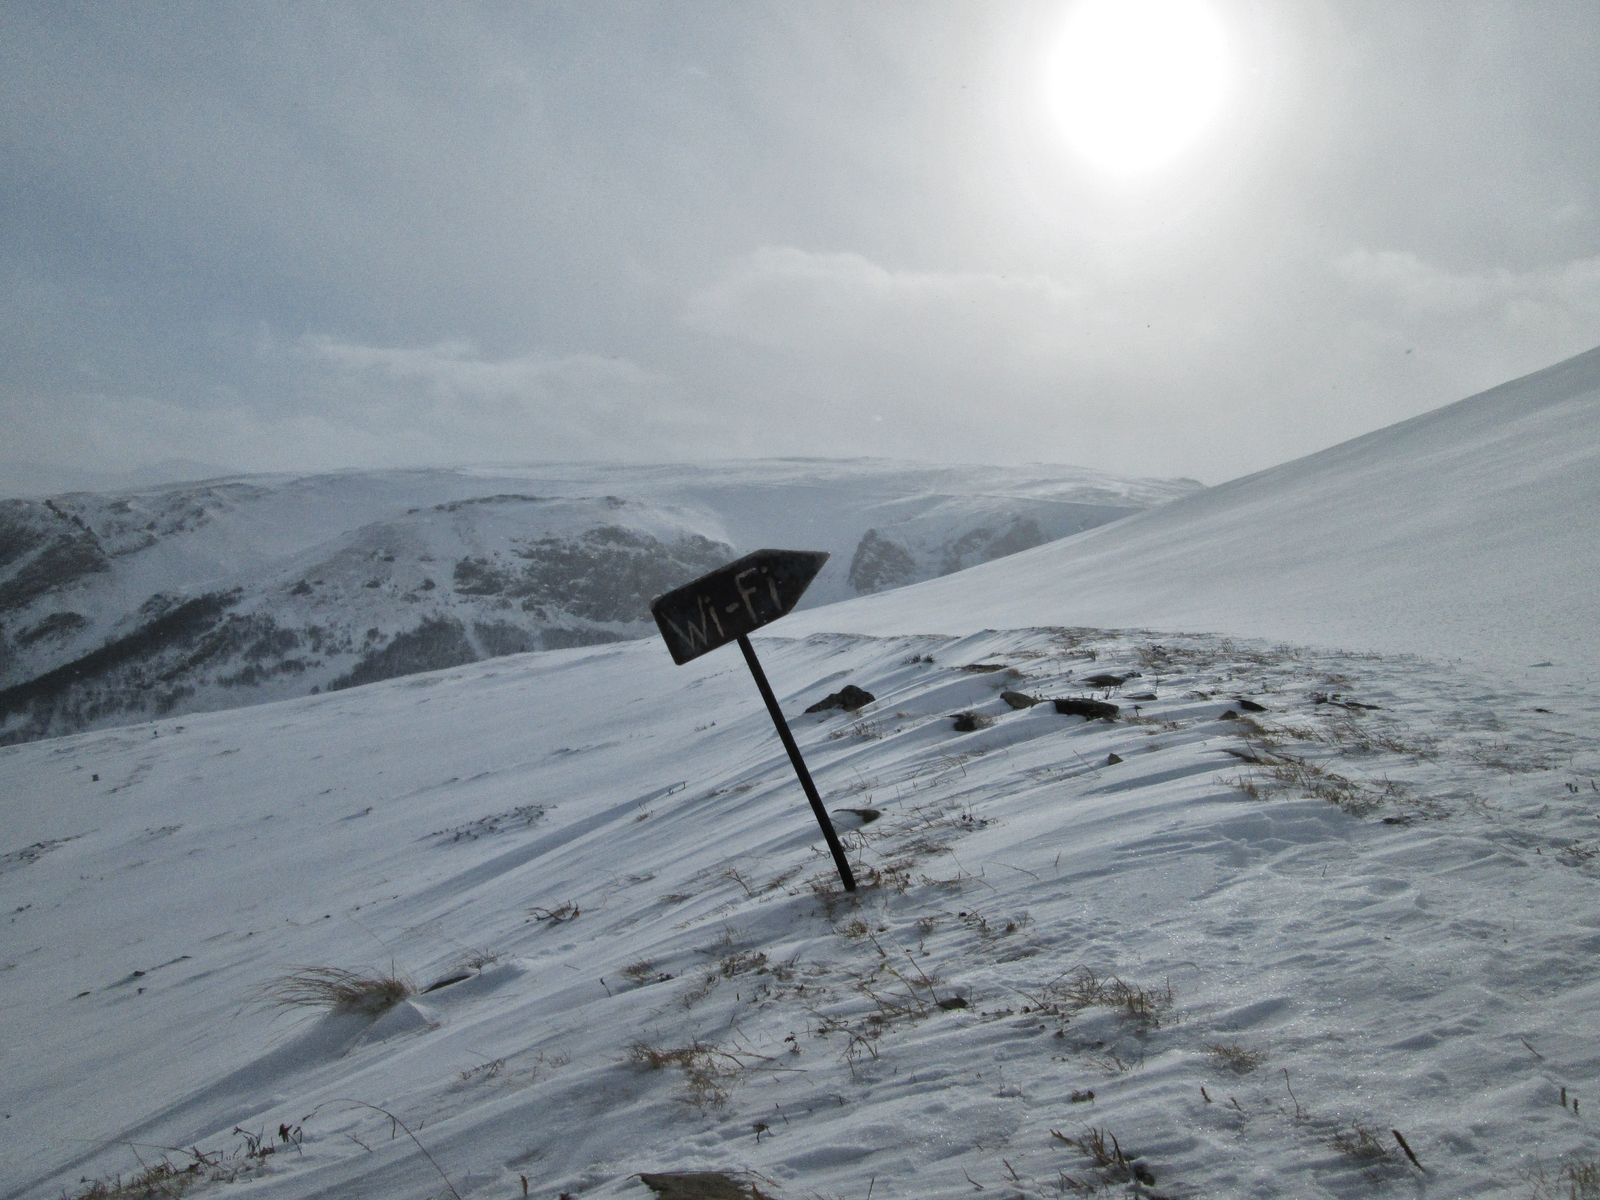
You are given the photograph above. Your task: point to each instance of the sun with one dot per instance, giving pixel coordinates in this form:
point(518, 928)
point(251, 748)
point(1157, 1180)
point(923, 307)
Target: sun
point(1135, 83)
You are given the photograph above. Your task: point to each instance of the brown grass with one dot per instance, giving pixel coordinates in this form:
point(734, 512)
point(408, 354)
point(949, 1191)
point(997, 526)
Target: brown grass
point(1367, 1146)
point(335, 989)
point(1234, 1057)
point(1576, 1180)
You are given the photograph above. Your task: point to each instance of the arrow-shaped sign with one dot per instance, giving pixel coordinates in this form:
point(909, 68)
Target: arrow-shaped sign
point(726, 605)
point(734, 600)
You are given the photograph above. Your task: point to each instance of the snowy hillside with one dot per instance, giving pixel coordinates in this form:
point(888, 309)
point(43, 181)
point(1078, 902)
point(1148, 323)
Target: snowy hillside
point(1237, 948)
point(172, 600)
point(1470, 530)
point(1288, 922)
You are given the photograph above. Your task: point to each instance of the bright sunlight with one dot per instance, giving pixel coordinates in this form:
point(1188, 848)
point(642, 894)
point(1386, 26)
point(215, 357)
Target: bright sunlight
point(1134, 83)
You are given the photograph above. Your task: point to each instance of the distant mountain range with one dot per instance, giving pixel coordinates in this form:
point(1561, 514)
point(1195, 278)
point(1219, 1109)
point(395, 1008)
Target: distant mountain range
point(119, 606)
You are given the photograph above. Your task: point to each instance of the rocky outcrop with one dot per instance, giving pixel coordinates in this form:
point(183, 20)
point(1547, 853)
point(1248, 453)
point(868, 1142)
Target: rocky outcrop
point(880, 564)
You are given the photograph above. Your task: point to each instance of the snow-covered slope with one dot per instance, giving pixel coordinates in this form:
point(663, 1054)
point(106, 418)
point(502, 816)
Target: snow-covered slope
point(1472, 530)
point(1245, 951)
point(205, 596)
point(1296, 923)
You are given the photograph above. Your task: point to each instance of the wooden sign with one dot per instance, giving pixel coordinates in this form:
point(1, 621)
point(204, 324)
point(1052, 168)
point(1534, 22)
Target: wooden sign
point(734, 600)
point(726, 605)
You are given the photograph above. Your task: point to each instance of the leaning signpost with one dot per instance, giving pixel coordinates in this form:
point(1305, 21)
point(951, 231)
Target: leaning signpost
point(724, 607)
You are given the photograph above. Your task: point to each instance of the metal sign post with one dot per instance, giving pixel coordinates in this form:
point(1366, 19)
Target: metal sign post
point(724, 607)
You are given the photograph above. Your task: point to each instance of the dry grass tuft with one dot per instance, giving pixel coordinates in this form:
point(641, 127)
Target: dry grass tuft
point(1084, 989)
point(1365, 1145)
point(706, 1068)
point(335, 989)
point(1100, 1146)
point(1234, 1057)
point(866, 731)
point(1242, 783)
point(167, 1179)
point(642, 971)
point(1577, 1180)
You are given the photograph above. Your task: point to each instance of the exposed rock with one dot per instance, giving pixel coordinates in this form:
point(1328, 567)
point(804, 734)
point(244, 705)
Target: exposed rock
point(1089, 710)
point(951, 1002)
point(1252, 706)
point(1335, 698)
point(1143, 696)
point(698, 1185)
point(608, 573)
point(1230, 715)
point(1113, 759)
point(849, 698)
point(880, 564)
point(983, 668)
point(56, 625)
point(1107, 681)
point(1019, 699)
point(436, 643)
point(971, 722)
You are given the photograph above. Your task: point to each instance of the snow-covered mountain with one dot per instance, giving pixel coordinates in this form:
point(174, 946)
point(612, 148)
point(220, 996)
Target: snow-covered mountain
point(170, 600)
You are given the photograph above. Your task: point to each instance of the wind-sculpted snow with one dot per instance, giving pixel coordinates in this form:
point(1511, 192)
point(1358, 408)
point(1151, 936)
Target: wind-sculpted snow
point(1287, 903)
point(351, 578)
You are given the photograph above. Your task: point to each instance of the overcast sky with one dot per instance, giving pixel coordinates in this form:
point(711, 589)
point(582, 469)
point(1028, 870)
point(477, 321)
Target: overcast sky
point(306, 236)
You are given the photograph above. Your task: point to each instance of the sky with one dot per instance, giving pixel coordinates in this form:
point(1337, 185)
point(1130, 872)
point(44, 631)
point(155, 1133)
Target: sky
point(315, 236)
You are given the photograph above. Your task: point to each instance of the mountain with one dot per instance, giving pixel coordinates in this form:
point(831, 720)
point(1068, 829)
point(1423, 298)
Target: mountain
point(254, 588)
point(1469, 530)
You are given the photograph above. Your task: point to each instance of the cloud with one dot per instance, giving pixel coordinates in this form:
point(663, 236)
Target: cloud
point(967, 353)
point(832, 303)
point(447, 400)
point(1563, 295)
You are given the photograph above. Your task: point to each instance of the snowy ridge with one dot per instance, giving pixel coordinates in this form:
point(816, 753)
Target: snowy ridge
point(1467, 530)
point(1401, 917)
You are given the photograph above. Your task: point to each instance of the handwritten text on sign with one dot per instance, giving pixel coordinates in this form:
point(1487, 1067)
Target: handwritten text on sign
point(730, 602)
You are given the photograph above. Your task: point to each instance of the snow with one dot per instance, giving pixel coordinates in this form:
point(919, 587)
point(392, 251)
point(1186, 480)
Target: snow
point(1394, 904)
point(1467, 531)
point(1435, 975)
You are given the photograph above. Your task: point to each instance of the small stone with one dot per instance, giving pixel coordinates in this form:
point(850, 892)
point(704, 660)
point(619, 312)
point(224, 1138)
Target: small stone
point(1113, 759)
point(951, 1002)
point(1019, 699)
point(1144, 696)
point(971, 722)
point(1230, 715)
point(1089, 710)
point(849, 698)
point(1252, 706)
point(696, 1185)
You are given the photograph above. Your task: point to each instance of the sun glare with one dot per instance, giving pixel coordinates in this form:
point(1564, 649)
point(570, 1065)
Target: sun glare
point(1134, 83)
